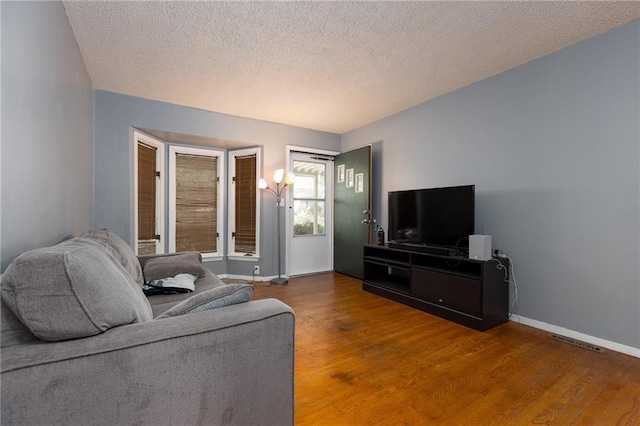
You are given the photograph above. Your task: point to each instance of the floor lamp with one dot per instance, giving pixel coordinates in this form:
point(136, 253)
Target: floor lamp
point(278, 175)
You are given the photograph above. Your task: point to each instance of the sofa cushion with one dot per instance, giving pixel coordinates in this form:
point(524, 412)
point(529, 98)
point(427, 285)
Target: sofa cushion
point(161, 267)
point(119, 249)
point(216, 298)
point(71, 290)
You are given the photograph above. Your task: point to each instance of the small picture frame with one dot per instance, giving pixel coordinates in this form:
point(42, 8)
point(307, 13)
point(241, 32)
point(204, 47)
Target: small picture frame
point(349, 178)
point(340, 173)
point(360, 182)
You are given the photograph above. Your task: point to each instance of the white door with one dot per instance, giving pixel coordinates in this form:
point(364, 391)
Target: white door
point(310, 214)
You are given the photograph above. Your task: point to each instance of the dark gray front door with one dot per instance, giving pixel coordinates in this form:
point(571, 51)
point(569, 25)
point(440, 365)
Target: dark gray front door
point(352, 202)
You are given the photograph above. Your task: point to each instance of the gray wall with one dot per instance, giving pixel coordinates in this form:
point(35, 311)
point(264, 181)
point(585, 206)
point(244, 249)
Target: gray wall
point(47, 125)
point(116, 114)
point(553, 149)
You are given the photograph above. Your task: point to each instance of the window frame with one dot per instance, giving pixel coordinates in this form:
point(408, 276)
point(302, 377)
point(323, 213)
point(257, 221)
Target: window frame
point(221, 228)
point(160, 185)
point(231, 205)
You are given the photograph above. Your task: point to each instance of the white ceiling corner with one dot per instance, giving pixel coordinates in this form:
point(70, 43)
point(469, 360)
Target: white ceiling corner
point(331, 66)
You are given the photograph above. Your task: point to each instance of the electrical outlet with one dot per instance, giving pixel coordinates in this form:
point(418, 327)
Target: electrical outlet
point(256, 269)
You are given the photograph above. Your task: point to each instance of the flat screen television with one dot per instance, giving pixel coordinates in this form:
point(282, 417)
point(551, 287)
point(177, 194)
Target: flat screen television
point(433, 216)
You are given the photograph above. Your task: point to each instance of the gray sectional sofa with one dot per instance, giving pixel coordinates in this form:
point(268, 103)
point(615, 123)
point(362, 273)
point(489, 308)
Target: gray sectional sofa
point(82, 345)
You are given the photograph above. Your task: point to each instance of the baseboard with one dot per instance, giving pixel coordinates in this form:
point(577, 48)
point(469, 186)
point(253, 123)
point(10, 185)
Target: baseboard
point(617, 347)
point(246, 277)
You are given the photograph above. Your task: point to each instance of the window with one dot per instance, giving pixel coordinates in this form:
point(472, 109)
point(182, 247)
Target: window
point(244, 202)
point(195, 192)
point(149, 195)
point(200, 215)
point(308, 198)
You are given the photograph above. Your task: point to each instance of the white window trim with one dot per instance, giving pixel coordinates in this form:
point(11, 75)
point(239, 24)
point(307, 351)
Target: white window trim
point(160, 206)
point(233, 255)
point(173, 150)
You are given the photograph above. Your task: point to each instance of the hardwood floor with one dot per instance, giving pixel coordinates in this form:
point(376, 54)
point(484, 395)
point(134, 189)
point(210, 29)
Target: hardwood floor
point(363, 360)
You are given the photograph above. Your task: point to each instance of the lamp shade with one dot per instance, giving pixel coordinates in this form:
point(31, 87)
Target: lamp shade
point(278, 175)
point(262, 184)
point(289, 179)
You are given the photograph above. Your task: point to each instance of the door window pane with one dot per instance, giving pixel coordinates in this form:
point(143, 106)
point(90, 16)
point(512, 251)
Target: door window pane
point(308, 217)
point(309, 198)
point(309, 180)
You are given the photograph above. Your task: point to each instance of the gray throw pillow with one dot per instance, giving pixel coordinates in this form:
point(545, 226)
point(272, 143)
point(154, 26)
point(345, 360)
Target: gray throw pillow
point(161, 267)
point(71, 290)
point(119, 249)
point(218, 297)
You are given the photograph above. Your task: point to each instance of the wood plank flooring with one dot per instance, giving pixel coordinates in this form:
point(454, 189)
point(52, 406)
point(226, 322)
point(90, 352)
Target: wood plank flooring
point(364, 360)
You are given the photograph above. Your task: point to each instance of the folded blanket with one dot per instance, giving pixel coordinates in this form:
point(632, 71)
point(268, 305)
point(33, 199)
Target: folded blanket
point(181, 283)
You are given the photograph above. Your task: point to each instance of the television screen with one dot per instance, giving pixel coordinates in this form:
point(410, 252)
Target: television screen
point(435, 216)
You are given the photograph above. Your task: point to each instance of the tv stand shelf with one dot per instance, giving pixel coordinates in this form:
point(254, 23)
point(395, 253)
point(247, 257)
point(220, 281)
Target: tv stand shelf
point(467, 291)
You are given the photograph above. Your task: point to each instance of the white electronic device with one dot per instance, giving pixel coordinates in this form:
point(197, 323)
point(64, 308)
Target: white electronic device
point(480, 247)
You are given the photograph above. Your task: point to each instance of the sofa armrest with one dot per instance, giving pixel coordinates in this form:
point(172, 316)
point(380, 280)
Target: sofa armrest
point(232, 365)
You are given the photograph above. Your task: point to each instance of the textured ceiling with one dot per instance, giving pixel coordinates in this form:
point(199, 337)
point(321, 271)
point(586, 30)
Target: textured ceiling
point(332, 66)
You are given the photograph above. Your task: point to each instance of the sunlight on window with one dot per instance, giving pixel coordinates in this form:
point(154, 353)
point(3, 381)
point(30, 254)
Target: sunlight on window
point(308, 198)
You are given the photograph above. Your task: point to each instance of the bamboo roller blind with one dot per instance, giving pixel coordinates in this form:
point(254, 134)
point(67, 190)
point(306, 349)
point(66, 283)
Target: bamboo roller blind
point(146, 192)
point(245, 211)
point(196, 203)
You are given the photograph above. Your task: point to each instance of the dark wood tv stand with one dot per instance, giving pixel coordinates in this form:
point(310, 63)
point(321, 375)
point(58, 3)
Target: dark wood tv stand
point(467, 291)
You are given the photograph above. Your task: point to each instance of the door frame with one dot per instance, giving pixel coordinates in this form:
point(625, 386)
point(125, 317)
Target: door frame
point(289, 197)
